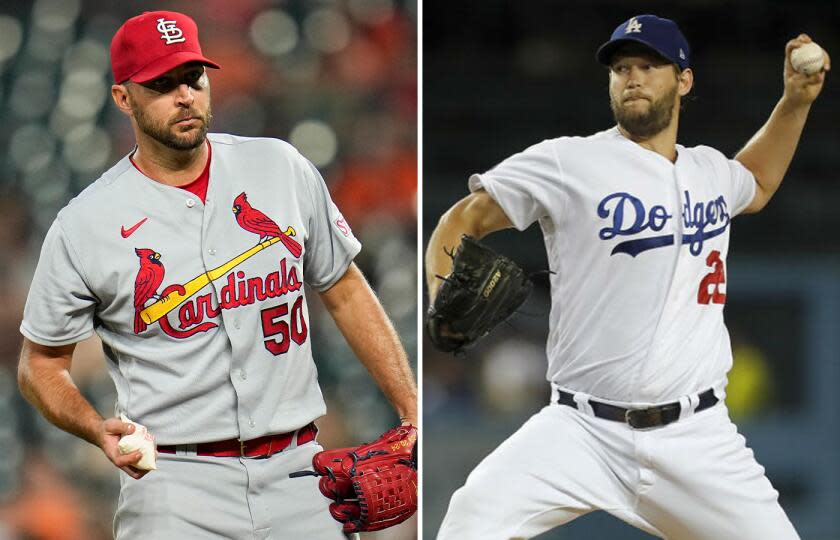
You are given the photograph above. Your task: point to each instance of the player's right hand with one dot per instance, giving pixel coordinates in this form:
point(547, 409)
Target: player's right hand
point(801, 89)
point(112, 430)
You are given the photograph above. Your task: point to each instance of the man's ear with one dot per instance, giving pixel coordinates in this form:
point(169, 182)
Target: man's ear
point(119, 92)
point(685, 80)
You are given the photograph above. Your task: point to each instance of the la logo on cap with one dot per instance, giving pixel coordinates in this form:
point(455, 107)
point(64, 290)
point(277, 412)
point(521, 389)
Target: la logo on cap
point(170, 32)
point(633, 26)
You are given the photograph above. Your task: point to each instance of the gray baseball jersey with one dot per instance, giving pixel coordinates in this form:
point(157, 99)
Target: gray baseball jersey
point(200, 306)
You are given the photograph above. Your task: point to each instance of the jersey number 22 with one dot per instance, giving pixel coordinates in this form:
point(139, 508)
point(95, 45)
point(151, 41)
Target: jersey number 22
point(710, 284)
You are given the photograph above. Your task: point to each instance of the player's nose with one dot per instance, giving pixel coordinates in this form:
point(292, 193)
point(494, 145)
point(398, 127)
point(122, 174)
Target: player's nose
point(184, 95)
point(635, 76)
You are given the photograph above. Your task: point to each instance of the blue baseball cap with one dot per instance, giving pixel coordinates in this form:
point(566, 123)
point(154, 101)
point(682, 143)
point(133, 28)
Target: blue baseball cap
point(661, 35)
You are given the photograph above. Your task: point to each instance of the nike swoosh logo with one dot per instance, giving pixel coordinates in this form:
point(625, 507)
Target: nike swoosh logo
point(126, 233)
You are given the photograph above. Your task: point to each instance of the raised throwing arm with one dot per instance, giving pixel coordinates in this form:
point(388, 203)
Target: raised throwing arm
point(769, 153)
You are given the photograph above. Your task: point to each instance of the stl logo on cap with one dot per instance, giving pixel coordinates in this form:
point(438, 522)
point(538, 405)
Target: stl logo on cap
point(170, 31)
point(152, 43)
point(633, 26)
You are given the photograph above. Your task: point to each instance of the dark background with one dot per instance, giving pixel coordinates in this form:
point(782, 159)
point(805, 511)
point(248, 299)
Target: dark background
point(499, 76)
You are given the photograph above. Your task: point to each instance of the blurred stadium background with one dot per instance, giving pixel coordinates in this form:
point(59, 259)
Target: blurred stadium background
point(500, 75)
point(336, 78)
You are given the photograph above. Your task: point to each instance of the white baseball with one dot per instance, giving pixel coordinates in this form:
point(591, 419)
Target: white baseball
point(141, 440)
point(807, 59)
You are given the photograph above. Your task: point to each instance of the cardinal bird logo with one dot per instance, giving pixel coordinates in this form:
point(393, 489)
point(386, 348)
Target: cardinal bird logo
point(252, 220)
point(146, 285)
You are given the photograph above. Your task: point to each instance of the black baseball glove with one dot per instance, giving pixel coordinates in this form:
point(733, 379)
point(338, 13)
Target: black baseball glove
point(483, 290)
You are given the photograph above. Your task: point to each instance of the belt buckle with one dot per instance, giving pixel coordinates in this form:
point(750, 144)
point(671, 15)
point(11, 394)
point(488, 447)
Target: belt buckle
point(243, 449)
point(643, 418)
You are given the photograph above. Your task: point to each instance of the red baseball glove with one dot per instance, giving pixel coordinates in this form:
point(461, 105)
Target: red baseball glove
point(374, 485)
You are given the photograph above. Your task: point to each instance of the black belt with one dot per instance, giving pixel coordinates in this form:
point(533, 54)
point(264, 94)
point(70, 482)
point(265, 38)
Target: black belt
point(650, 417)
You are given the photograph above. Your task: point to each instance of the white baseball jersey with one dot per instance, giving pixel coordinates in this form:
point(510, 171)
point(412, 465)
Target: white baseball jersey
point(200, 306)
point(638, 248)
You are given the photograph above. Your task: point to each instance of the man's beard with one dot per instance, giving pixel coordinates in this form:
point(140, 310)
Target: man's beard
point(647, 124)
point(163, 132)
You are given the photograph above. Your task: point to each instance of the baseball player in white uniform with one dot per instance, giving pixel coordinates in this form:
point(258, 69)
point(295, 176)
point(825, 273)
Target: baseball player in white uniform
point(188, 259)
point(636, 228)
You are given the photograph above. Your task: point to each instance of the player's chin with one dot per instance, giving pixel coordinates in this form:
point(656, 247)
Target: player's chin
point(196, 129)
point(189, 139)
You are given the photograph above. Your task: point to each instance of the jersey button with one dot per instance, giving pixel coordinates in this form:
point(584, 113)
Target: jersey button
point(237, 325)
point(190, 203)
point(251, 422)
point(211, 251)
point(242, 374)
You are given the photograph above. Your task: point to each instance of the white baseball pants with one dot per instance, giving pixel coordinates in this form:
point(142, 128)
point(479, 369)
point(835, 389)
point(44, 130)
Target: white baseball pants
point(694, 479)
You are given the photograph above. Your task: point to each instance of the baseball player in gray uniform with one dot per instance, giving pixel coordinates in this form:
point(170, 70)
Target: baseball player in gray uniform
point(636, 228)
point(188, 259)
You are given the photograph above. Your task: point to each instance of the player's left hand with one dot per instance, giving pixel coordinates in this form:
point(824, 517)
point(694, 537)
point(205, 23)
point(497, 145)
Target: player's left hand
point(800, 89)
point(374, 485)
point(483, 289)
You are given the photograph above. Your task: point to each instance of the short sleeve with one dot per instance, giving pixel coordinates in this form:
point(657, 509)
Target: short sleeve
point(330, 246)
point(519, 183)
point(743, 186)
point(60, 306)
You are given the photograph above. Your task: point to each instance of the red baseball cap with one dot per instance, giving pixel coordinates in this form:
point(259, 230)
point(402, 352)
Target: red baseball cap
point(149, 45)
